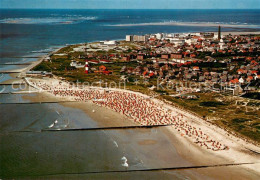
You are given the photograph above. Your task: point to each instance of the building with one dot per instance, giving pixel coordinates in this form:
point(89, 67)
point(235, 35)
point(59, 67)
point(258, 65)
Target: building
point(207, 35)
point(140, 56)
point(76, 64)
point(138, 38)
point(176, 55)
point(105, 61)
point(129, 38)
point(80, 49)
point(165, 56)
point(38, 74)
point(159, 35)
point(177, 42)
point(109, 43)
point(219, 33)
point(126, 58)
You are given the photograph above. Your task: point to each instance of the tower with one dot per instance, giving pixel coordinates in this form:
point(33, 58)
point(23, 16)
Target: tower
point(86, 67)
point(219, 32)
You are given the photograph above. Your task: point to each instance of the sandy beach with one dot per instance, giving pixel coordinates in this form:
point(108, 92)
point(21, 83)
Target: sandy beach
point(185, 148)
point(238, 151)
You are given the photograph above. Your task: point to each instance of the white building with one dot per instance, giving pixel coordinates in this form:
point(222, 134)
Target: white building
point(241, 80)
point(138, 38)
point(76, 64)
point(79, 49)
point(129, 38)
point(109, 43)
point(177, 42)
point(159, 36)
point(191, 41)
point(216, 36)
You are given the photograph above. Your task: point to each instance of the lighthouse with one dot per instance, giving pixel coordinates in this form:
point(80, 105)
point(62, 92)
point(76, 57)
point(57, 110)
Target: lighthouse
point(219, 32)
point(86, 67)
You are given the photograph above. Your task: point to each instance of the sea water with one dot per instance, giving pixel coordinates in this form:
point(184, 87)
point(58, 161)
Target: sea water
point(26, 151)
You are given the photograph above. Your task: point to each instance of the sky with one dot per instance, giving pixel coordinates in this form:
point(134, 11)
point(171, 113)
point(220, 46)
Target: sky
point(131, 4)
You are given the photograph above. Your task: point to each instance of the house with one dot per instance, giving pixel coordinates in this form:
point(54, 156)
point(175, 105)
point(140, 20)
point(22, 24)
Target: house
point(249, 78)
point(76, 64)
point(140, 56)
point(196, 68)
point(93, 61)
point(176, 55)
point(186, 54)
point(105, 61)
point(234, 81)
point(193, 55)
point(126, 58)
point(241, 80)
point(109, 43)
point(254, 72)
point(241, 71)
point(165, 56)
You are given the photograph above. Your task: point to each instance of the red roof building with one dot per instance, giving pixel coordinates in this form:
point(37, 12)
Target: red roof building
point(176, 56)
point(165, 56)
point(196, 68)
point(140, 57)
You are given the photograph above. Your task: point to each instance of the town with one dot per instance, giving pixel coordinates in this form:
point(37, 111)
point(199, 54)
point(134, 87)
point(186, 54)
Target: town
point(214, 75)
point(222, 63)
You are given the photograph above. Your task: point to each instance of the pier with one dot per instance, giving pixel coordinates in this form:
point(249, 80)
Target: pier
point(150, 169)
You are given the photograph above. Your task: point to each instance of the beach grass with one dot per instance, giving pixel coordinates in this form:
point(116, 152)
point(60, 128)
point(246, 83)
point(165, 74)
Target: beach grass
point(243, 120)
point(218, 109)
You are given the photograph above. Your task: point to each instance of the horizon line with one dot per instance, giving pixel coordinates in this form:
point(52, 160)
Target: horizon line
point(131, 9)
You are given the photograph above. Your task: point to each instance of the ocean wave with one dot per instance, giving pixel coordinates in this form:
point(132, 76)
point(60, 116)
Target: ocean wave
point(180, 23)
point(124, 164)
point(49, 20)
point(43, 50)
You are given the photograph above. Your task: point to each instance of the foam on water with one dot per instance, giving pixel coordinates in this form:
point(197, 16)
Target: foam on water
point(124, 159)
point(48, 20)
point(115, 143)
point(192, 23)
point(50, 126)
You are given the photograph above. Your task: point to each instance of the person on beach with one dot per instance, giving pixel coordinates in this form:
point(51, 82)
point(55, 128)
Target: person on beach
point(142, 110)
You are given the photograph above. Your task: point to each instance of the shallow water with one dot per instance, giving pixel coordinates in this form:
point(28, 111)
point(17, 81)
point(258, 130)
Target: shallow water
point(42, 153)
point(31, 33)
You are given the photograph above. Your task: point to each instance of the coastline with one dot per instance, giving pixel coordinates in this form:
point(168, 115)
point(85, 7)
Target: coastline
point(18, 72)
point(185, 148)
point(236, 152)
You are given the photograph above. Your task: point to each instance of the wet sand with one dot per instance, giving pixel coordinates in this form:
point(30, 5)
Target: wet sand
point(199, 156)
point(185, 149)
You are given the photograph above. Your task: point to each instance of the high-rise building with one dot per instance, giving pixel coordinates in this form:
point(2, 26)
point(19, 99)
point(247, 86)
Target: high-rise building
point(129, 38)
point(140, 38)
